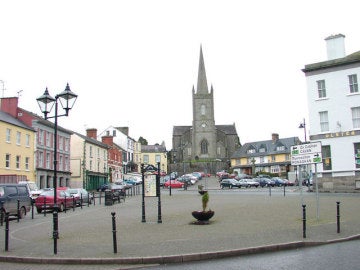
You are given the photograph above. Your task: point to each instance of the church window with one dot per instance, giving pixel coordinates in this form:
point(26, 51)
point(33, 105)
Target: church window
point(204, 147)
point(202, 109)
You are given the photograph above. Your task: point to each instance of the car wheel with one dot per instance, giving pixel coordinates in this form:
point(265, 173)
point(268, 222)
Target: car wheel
point(22, 212)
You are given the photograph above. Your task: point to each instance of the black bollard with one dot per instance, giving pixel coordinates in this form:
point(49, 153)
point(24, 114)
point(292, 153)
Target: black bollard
point(88, 199)
point(304, 220)
point(65, 206)
point(338, 216)
point(6, 231)
point(32, 208)
point(100, 197)
point(18, 210)
point(74, 203)
point(44, 206)
point(93, 197)
point(2, 214)
point(55, 229)
point(114, 232)
point(270, 190)
point(284, 190)
point(81, 201)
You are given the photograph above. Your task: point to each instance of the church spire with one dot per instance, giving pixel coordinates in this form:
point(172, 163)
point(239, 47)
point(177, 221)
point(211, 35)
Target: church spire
point(202, 82)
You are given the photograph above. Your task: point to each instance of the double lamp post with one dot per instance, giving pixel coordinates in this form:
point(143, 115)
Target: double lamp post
point(46, 102)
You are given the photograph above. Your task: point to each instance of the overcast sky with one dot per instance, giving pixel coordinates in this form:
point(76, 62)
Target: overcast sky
point(134, 63)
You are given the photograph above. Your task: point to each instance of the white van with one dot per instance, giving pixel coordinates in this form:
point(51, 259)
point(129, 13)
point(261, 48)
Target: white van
point(33, 189)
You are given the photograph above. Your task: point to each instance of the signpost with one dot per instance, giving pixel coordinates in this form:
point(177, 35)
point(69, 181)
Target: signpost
point(304, 154)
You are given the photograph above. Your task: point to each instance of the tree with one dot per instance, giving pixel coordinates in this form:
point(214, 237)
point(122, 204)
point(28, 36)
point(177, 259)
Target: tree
point(143, 141)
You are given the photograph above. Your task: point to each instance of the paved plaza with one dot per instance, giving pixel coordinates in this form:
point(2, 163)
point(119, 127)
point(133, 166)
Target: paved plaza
point(245, 221)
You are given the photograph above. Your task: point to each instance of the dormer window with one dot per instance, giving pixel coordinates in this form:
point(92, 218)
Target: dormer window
point(251, 151)
point(280, 148)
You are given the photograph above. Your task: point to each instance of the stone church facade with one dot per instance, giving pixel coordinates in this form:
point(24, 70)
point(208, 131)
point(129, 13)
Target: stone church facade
point(204, 141)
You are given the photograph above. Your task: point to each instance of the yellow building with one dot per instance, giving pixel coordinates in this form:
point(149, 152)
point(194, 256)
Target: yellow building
point(17, 148)
point(151, 155)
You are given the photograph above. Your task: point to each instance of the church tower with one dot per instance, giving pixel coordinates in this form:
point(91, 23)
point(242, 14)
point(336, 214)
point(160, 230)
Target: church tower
point(204, 130)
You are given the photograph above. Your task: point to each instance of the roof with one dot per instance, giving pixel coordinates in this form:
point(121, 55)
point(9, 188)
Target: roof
point(350, 59)
point(92, 140)
point(153, 148)
point(7, 118)
point(270, 147)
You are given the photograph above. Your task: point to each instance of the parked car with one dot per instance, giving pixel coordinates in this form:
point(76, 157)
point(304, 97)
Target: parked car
point(45, 201)
point(174, 184)
point(163, 179)
point(103, 187)
point(230, 183)
point(264, 182)
point(249, 182)
point(278, 181)
point(288, 182)
point(81, 195)
point(192, 178)
point(9, 196)
point(185, 179)
point(197, 175)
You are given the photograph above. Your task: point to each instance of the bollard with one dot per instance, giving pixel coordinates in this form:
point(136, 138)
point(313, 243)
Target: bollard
point(338, 216)
point(284, 190)
point(18, 210)
point(270, 190)
point(2, 216)
point(93, 197)
point(32, 208)
point(114, 232)
point(74, 203)
point(304, 220)
point(55, 229)
point(65, 206)
point(44, 206)
point(6, 231)
point(88, 199)
point(100, 197)
point(81, 201)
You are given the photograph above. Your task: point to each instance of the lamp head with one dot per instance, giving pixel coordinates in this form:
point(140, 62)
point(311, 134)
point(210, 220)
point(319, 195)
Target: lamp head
point(46, 103)
point(67, 99)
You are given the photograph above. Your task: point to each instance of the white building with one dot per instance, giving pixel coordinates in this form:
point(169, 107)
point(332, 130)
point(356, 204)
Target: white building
point(334, 115)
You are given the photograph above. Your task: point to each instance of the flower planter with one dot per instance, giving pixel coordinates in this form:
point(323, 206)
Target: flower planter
point(202, 217)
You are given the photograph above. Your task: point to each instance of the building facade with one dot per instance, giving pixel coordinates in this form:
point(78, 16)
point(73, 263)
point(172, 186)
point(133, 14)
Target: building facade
point(334, 115)
point(151, 155)
point(270, 156)
point(16, 149)
point(203, 141)
point(89, 160)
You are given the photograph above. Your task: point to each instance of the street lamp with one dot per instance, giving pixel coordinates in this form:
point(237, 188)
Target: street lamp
point(303, 125)
point(46, 102)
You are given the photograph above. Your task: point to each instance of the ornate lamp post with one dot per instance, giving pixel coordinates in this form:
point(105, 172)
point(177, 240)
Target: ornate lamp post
point(303, 125)
point(46, 103)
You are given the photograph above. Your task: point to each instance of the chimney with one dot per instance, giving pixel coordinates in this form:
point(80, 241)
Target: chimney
point(335, 46)
point(91, 133)
point(274, 137)
point(107, 140)
point(9, 105)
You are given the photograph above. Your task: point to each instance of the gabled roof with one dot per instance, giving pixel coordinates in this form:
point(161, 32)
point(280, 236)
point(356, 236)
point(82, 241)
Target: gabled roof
point(7, 118)
point(269, 147)
point(153, 148)
point(92, 140)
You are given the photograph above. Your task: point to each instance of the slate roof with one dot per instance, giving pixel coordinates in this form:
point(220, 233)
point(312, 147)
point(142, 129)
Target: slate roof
point(7, 118)
point(93, 141)
point(153, 148)
point(269, 145)
point(350, 59)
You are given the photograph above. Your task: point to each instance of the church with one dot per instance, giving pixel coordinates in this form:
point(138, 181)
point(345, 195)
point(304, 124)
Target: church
point(204, 141)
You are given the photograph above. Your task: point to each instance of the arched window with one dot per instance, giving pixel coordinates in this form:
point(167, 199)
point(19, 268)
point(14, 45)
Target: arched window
point(203, 109)
point(204, 147)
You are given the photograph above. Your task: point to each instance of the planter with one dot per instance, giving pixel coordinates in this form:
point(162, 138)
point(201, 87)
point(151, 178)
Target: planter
point(202, 217)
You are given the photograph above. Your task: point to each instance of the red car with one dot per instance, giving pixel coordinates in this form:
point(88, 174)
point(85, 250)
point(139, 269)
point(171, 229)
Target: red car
point(45, 201)
point(174, 184)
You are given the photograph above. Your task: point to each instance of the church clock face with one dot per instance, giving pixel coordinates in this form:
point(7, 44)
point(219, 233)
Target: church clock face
point(203, 125)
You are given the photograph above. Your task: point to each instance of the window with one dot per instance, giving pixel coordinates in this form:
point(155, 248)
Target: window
point(251, 151)
point(218, 152)
point(157, 158)
point(262, 159)
point(321, 89)
point(18, 162)
point(7, 161)
point(27, 160)
point(61, 164)
point(146, 159)
point(280, 148)
point(27, 140)
point(91, 154)
point(204, 147)
point(18, 137)
point(47, 160)
point(324, 121)
point(273, 158)
point(262, 150)
point(326, 157)
point(355, 112)
point(203, 109)
point(357, 154)
point(66, 163)
point(41, 137)
point(61, 143)
point(8, 135)
point(48, 139)
point(41, 159)
point(353, 83)
point(91, 165)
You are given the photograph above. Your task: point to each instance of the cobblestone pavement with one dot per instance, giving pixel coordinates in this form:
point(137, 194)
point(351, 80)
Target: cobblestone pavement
point(246, 220)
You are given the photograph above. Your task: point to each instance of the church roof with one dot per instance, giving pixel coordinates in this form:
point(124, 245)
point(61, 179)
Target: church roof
point(180, 130)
